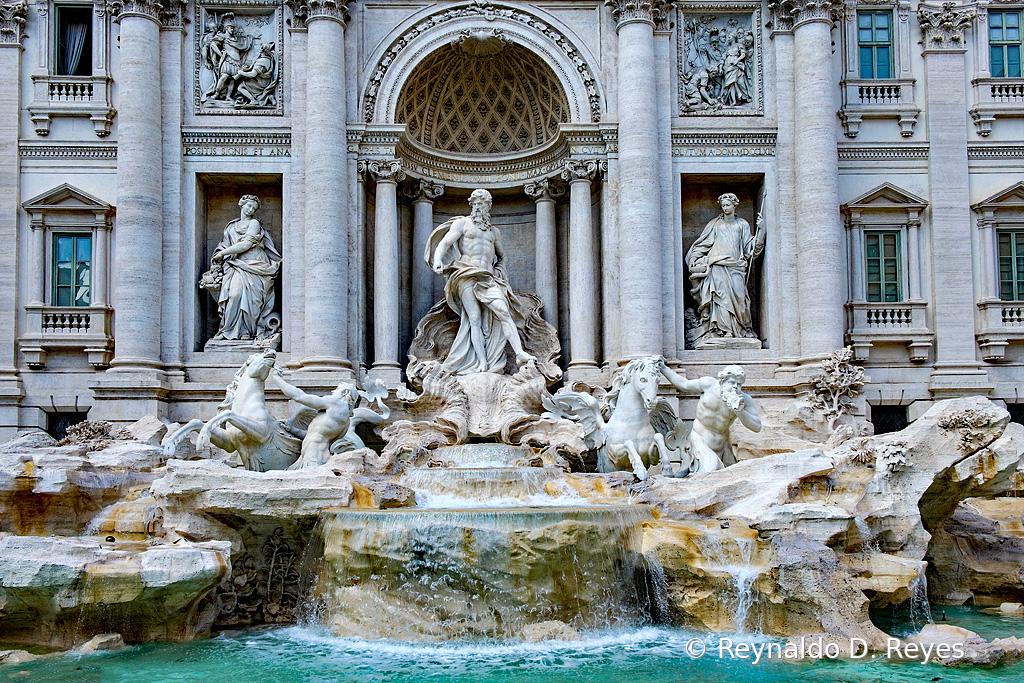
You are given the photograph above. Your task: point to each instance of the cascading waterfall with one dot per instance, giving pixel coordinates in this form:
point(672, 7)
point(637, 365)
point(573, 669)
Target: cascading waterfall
point(920, 608)
point(740, 567)
point(501, 555)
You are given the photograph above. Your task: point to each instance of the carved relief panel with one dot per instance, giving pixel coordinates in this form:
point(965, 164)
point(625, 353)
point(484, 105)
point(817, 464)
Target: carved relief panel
point(238, 58)
point(720, 62)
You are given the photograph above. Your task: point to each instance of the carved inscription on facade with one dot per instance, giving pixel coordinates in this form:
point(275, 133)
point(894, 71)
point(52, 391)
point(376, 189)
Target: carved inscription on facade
point(720, 60)
point(238, 58)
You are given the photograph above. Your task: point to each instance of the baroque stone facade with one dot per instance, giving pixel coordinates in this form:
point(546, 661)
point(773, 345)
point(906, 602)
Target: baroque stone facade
point(607, 132)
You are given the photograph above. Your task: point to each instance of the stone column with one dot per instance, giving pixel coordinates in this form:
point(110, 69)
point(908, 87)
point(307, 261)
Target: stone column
point(99, 260)
point(987, 243)
point(12, 31)
point(957, 370)
point(37, 275)
point(423, 194)
point(914, 257)
point(387, 173)
point(857, 285)
point(820, 239)
point(544, 193)
point(138, 254)
point(326, 230)
point(583, 273)
point(293, 280)
point(177, 247)
point(640, 232)
point(785, 245)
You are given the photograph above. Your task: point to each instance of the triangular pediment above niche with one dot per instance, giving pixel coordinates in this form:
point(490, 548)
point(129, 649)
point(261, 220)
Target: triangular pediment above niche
point(885, 196)
point(66, 198)
point(1010, 198)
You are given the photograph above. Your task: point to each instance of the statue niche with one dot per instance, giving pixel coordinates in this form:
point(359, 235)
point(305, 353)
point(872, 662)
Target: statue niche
point(722, 265)
point(240, 280)
point(481, 326)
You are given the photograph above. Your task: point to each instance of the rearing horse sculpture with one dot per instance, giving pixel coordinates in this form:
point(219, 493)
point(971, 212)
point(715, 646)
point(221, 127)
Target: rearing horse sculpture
point(243, 424)
point(634, 435)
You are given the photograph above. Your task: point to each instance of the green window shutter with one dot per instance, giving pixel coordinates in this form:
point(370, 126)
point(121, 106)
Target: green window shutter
point(883, 266)
point(874, 42)
point(1004, 38)
point(1011, 264)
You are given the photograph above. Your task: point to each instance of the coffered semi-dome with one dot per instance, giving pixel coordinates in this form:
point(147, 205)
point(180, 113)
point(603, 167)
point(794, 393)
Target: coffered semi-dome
point(482, 94)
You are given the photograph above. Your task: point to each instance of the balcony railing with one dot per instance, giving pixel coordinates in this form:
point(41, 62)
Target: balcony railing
point(996, 98)
point(66, 321)
point(878, 99)
point(71, 90)
point(71, 96)
point(903, 322)
point(1001, 322)
point(87, 330)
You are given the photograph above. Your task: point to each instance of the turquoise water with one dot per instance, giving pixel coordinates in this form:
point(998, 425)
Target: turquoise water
point(644, 655)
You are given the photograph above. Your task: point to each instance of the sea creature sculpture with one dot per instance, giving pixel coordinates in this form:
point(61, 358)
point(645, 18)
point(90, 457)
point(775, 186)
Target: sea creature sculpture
point(640, 431)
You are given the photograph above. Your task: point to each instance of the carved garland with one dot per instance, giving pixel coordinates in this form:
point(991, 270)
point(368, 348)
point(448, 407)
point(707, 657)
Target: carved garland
point(485, 10)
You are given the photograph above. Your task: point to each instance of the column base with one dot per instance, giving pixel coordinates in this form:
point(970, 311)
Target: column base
point(584, 371)
point(127, 397)
point(332, 364)
point(390, 374)
point(132, 364)
point(959, 379)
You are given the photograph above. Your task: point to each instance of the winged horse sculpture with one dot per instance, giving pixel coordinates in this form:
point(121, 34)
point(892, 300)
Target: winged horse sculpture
point(641, 430)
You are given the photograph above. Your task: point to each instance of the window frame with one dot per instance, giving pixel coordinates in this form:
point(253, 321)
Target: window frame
point(874, 44)
point(1005, 43)
point(1016, 259)
point(87, 50)
point(899, 258)
point(55, 286)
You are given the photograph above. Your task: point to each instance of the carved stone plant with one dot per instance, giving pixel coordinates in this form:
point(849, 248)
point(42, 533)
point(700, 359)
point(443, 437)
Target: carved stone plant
point(837, 386)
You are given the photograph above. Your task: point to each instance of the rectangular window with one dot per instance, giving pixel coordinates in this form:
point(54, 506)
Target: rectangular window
point(72, 270)
point(884, 265)
point(1004, 43)
point(1011, 265)
point(874, 40)
point(73, 29)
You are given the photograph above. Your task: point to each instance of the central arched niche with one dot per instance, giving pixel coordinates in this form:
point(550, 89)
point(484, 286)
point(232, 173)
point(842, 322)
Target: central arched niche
point(482, 94)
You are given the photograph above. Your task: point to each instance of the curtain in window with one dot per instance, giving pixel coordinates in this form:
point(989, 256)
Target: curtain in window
point(74, 41)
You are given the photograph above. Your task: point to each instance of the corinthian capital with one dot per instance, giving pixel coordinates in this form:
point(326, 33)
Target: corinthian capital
point(12, 22)
point(650, 11)
point(382, 170)
point(423, 190)
point(327, 9)
point(172, 14)
point(803, 11)
point(150, 9)
point(943, 29)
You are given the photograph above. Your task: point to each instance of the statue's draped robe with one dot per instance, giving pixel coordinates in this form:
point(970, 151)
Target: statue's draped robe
point(722, 290)
point(487, 288)
point(247, 292)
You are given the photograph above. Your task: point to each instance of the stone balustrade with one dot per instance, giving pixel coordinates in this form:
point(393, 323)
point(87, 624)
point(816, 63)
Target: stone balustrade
point(88, 330)
point(903, 322)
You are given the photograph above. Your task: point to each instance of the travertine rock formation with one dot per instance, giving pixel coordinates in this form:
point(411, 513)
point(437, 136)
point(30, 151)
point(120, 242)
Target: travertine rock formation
point(61, 591)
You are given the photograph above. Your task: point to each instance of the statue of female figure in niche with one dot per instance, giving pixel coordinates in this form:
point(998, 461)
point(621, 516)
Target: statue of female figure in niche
point(241, 279)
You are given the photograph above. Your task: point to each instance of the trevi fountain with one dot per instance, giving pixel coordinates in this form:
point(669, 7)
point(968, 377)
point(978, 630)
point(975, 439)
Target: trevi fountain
point(492, 340)
point(475, 522)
